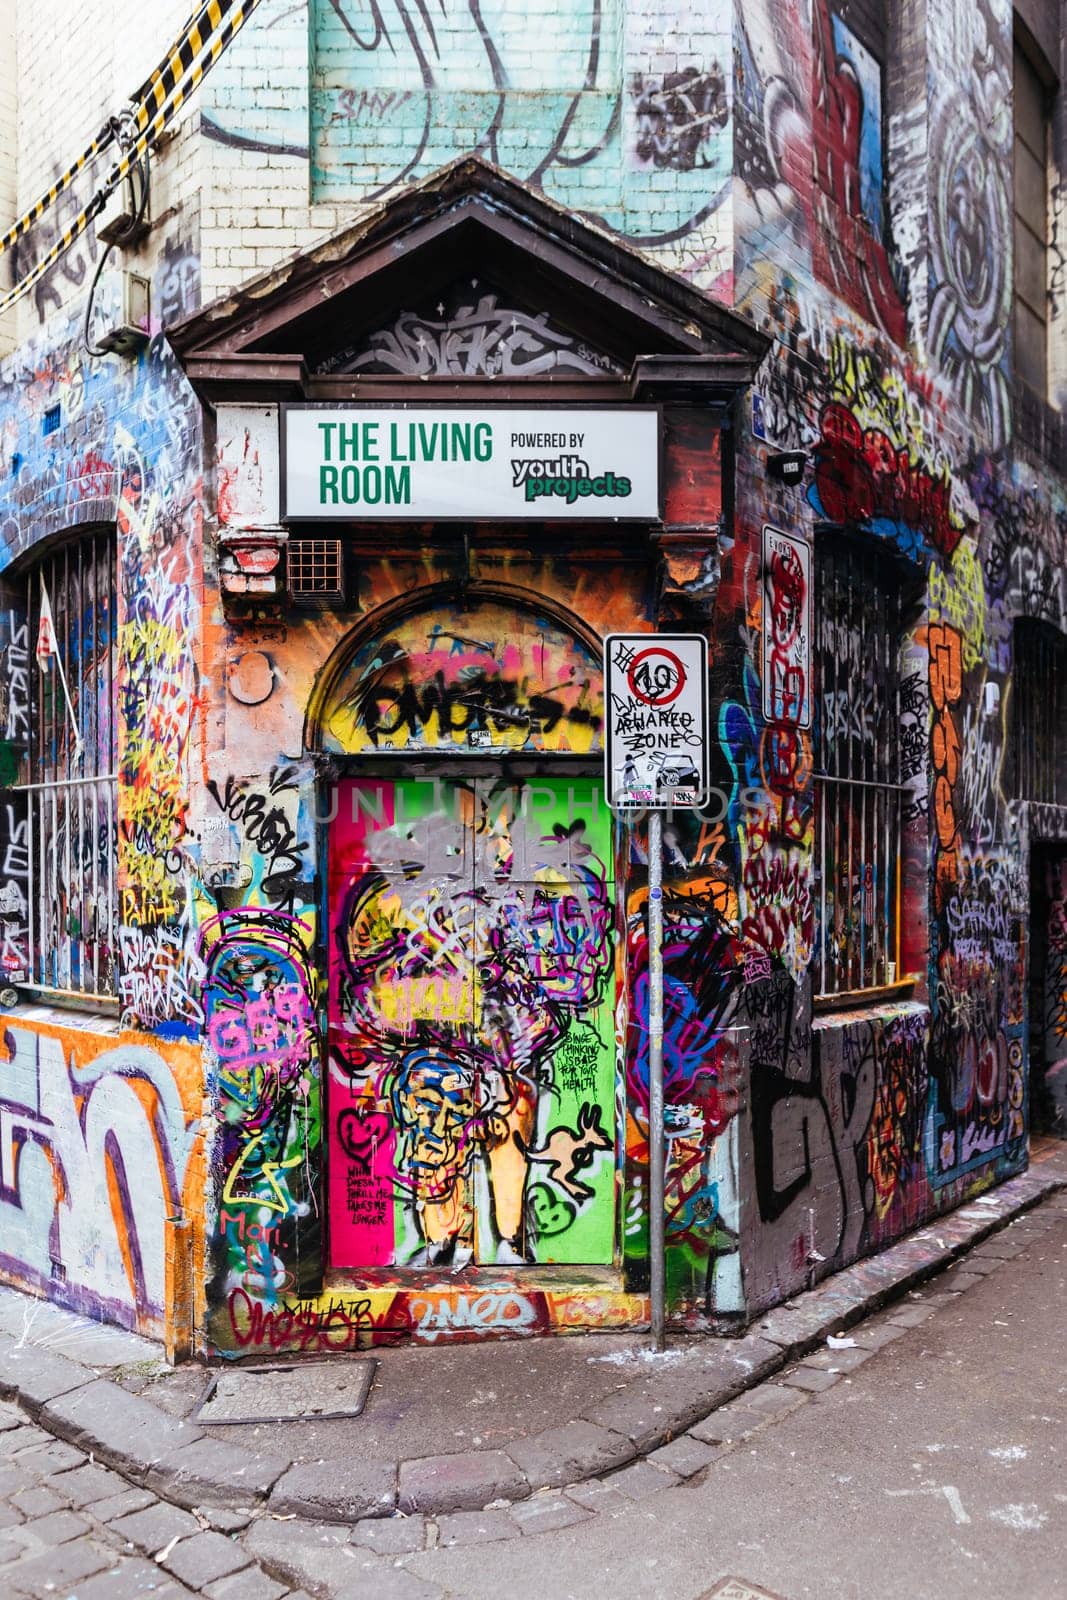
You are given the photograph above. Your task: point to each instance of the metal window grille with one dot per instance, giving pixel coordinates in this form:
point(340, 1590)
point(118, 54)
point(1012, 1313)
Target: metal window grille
point(70, 797)
point(315, 570)
point(1039, 691)
point(858, 793)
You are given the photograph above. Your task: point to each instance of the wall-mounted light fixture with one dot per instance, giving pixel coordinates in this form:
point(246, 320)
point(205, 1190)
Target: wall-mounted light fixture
point(787, 466)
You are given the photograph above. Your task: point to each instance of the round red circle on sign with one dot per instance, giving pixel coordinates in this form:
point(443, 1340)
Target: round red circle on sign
point(656, 686)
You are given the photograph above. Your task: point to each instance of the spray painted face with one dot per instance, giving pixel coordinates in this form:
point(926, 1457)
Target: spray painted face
point(549, 1213)
point(433, 1107)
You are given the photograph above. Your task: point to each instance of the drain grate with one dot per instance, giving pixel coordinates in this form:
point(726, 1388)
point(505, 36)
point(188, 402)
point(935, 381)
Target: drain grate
point(313, 1391)
point(737, 1589)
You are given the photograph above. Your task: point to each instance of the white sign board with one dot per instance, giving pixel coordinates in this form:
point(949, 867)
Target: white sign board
point(366, 463)
point(656, 705)
point(786, 629)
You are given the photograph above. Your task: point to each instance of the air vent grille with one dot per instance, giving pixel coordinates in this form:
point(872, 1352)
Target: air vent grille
point(316, 571)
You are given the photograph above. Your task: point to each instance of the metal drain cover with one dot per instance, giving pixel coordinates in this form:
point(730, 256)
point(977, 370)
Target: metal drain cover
point(737, 1589)
point(311, 1391)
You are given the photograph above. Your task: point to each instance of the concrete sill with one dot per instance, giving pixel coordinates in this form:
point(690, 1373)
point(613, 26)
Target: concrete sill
point(861, 999)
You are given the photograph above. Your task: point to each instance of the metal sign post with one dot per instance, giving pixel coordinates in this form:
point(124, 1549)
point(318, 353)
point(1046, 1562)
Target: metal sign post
point(656, 1143)
point(656, 757)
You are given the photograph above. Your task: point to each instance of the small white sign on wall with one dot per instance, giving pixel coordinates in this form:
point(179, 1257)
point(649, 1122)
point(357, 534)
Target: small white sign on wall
point(507, 463)
point(786, 629)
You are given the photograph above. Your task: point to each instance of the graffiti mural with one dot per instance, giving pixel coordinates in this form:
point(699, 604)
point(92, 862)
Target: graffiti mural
point(96, 1153)
point(592, 112)
point(14, 819)
point(262, 1043)
point(468, 333)
point(873, 464)
point(1051, 1026)
point(847, 218)
point(487, 678)
point(976, 1029)
point(970, 149)
point(701, 1065)
point(472, 1063)
point(443, 1314)
point(124, 450)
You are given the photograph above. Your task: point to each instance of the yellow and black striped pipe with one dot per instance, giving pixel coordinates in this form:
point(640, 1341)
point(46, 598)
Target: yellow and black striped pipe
point(180, 71)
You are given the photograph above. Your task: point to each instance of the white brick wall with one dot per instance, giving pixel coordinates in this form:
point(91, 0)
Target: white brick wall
point(77, 65)
point(8, 149)
point(256, 203)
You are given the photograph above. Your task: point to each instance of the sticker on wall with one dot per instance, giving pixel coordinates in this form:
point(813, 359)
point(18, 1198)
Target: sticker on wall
point(786, 629)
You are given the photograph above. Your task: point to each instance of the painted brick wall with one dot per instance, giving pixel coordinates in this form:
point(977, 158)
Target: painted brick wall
point(75, 69)
point(92, 1096)
point(892, 367)
point(8, 144)
point(618, 112)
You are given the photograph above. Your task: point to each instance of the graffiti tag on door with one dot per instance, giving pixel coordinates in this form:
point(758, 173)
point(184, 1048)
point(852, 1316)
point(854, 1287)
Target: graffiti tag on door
point(471, 1110)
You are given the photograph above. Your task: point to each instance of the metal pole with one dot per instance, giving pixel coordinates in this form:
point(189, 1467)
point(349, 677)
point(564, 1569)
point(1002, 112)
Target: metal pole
point(655, 1077)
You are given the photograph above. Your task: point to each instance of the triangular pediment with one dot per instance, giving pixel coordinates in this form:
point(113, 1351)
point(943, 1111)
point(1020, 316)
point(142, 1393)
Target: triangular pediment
point(466, 275)
point(471, 328)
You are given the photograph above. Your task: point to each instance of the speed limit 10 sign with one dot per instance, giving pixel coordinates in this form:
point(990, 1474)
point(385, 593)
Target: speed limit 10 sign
point(656, 707)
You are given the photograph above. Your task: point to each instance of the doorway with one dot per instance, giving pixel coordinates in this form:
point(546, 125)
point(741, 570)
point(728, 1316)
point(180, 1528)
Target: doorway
point(471, 1018)
point(1048, 989)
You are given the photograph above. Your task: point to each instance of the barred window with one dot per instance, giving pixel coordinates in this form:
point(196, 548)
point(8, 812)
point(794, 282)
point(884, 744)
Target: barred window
point(1039, 707)
point(68, 785)
point(858, 792)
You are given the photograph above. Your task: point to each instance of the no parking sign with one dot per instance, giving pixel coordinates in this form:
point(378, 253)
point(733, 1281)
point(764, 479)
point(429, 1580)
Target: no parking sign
point(656, 703)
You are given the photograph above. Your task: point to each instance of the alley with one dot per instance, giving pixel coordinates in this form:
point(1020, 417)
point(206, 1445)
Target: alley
point(931, 1466)
point(921, 1456)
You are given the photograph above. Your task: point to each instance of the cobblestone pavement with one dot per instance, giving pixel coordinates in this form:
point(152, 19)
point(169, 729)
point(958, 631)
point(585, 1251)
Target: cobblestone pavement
point(72, 1529)
point(320, 1555)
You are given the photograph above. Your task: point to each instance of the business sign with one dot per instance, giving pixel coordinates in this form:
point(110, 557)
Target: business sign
point(656, 752)
point(366, 463)
point(786, 629)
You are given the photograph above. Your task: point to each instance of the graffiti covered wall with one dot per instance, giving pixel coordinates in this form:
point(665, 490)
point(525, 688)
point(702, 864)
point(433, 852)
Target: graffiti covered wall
point(880, 270)
point(423, 1027)
point(99, 1147)
point(100, 1124)
point(617, 113)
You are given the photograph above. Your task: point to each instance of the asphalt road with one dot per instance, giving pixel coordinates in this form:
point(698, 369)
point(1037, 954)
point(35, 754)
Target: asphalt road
point(935, 1469)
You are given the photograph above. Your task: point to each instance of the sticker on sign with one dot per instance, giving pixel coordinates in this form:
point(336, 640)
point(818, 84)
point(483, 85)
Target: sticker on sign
point(656, 703)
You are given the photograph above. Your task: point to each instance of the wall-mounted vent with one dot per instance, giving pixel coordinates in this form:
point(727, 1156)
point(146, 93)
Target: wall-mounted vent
point(316, 571)
point(51, 420)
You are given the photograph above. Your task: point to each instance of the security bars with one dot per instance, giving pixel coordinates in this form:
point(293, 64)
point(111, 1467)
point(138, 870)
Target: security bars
point(1039, 703)
point(70, 796)
point(858, 793)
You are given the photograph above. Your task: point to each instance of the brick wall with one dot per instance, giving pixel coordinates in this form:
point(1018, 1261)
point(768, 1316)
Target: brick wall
point(76, 67)
point(8, 147)
point(619, 113)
